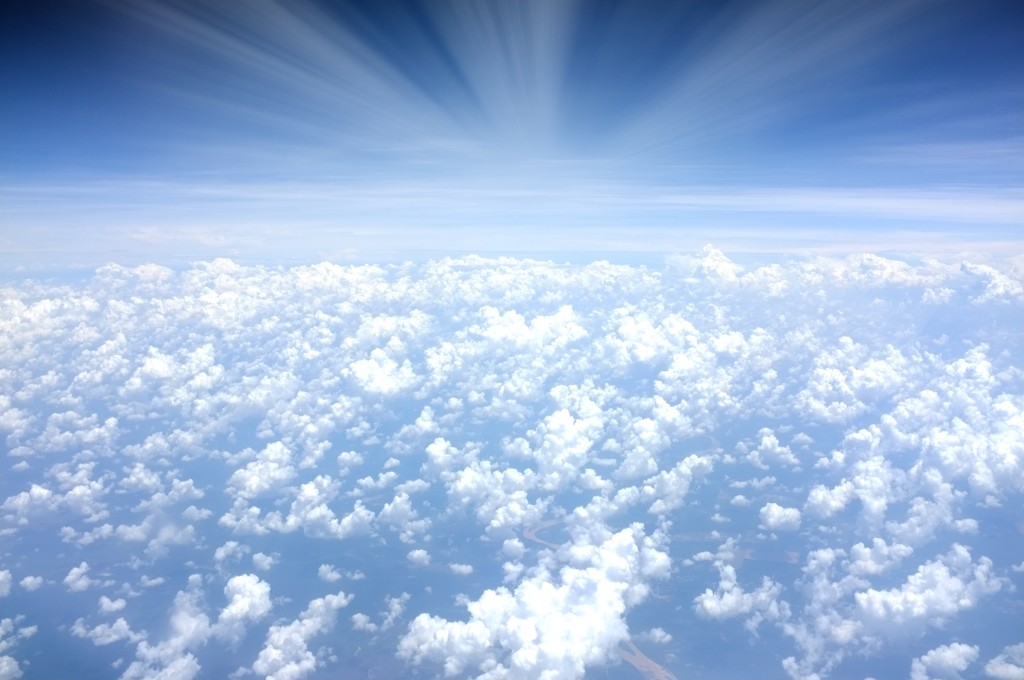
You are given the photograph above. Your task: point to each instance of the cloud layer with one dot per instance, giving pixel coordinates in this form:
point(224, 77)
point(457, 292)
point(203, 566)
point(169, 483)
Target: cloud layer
point(513, 467)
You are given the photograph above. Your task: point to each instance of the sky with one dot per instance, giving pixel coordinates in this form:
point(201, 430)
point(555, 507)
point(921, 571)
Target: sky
point(512, 340)
point(301, 131)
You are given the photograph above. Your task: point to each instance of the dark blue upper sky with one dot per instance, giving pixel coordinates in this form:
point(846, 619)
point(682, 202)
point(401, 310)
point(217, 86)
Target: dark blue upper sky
point(188, 129)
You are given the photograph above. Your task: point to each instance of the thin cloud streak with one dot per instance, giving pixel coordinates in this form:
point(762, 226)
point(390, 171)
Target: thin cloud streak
point(290, 65)
point(769, 64)
point(307, 221)
point(952, 204)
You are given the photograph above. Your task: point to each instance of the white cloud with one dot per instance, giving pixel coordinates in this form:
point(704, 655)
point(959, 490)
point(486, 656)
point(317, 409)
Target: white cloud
point(512, 390)
point(395, 610)
point(363, 622)
point(770, 450)
point(194, 514)
point(309, 511)
point(108, 606)
point(31, 583)
point(777, 518)
point(656, 635)
point(328, 573)
point(5, 583)
point(826, 502)
point(271, 469)
point(285, 654)
point(730, 599)
point(11, 633)
point(1008, 664)
point(78, 579)
point(556, 622)
point(668, 488)
point(189, 629)
point(248, 601)
point(419, 557)
point(399, 513)
point(380, 373)
point(9, 669)
point(565, 443)
point(947, 661)
point(37, 499)
point(935, 592)
point(107, 633)
point(880, 557)
point(230, 551)
point(499, 496)
point(349, 459)
point(513, 547)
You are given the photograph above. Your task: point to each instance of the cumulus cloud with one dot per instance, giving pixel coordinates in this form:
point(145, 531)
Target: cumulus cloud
point(822, 397)
point(173, 656)
point(669, 487)
point(108, 606)
point(769, 450)
point(191, 627)
point(248, 601)
point(382, 374)
point(31, 583)
point(388, 618)
point(328, 573)
point(1008, 664)
point(947, 661)
point(419, 557)
point(730, 599)
point(107, 633)
point(271, 468)
point(557, 621)
point(777, 518)
point(11, 633)
point(880, 557)
point(230, 551)
point(78, 579)
point(285, 654)
point(309, 512)
point(936, 591)
point(656, 635)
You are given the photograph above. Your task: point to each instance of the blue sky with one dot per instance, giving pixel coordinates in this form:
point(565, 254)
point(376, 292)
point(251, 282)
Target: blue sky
point(174, 131)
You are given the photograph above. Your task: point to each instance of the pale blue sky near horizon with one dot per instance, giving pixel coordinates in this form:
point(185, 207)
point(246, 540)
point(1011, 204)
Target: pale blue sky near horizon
point(301, 131)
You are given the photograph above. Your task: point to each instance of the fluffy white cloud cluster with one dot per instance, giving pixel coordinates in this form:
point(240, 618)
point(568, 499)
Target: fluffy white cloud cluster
point(778, 518)
point(285, 654)
point(1008, 664)
point(78, 578)
point(935, 592)
point(11, 633)
point(566, 614)
point(856, 420)
point(947, 661)
point(190, 628)
point(730, 599)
